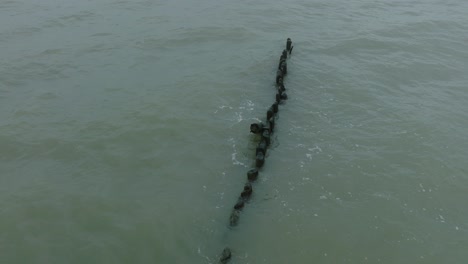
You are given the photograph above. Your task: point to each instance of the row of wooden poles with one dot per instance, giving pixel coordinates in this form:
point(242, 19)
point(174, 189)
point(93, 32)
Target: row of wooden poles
point(265, 131)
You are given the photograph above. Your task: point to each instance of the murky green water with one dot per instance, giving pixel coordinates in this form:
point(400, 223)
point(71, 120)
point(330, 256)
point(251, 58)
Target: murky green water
point(124, 131)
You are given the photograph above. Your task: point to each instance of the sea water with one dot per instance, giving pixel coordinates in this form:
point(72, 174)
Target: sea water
point(124, 131)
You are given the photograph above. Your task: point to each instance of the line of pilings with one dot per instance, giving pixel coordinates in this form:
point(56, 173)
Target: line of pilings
point(264, 130)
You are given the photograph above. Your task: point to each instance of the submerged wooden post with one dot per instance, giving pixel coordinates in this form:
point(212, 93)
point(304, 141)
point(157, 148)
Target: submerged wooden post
point(265, 132)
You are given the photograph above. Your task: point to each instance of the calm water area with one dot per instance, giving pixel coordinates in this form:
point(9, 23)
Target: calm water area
point(124, 131)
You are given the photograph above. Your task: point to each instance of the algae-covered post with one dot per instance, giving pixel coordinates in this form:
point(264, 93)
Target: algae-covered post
point(265, 130)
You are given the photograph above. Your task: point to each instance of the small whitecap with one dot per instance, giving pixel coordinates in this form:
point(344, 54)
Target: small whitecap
point(316, 149)
point(422, 187)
